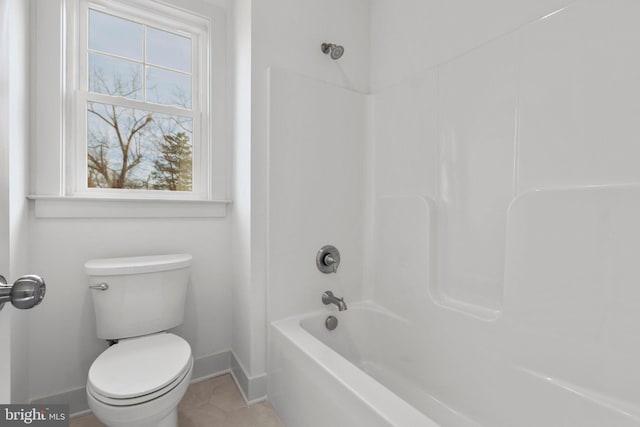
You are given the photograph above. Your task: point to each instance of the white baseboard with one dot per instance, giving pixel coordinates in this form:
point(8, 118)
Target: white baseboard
point(253, 389)
point(76, 399)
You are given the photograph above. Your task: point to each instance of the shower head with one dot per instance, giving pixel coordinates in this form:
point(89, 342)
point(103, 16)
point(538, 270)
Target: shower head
point(337, 52)
point(333, 50)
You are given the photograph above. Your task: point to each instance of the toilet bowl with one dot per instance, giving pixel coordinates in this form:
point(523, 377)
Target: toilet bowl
point(139, 380)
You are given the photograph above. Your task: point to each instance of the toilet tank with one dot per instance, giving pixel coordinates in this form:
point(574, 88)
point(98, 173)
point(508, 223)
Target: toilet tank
point(145, 294)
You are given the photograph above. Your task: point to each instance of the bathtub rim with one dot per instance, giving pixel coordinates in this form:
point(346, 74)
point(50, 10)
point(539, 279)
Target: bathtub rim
point(384, 402)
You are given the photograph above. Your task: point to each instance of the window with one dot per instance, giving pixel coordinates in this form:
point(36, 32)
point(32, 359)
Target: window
point(141, 126)
point(129, 109)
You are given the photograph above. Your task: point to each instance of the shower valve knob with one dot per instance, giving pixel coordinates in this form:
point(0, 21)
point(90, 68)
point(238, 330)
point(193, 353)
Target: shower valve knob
point(26, 292)
point(328, 259)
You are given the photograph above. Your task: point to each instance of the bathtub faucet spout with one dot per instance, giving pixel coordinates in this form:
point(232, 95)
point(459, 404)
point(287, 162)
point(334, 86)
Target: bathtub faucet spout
point(329, 298)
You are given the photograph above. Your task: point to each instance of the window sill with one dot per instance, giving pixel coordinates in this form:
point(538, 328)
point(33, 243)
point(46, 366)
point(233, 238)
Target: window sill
point(93, 207)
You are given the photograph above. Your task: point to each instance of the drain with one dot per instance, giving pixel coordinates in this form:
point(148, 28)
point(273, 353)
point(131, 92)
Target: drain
point(331, 323)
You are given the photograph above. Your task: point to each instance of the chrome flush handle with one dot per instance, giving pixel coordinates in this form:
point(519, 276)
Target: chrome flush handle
point(100, 286)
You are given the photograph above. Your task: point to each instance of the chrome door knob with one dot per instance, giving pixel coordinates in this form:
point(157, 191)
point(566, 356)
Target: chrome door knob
point(26, 292)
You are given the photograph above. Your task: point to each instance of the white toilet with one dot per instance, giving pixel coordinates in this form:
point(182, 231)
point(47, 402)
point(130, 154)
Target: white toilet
point(140, 380)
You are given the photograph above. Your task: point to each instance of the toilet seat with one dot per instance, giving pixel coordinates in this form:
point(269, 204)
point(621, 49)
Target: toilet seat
point(138, 370)
point(140, 399)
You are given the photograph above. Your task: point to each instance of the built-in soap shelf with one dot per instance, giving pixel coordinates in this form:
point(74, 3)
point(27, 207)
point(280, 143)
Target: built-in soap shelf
point(407, 246)
point(406, 256)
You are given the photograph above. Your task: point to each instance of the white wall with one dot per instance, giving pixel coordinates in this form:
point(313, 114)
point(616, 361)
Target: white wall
point(240, 30)
point(410, 36)
point(5, 331)
point(19, 167)
point(287, 34)
point(444, 123)
point(64, 326)
point(296, 29)
point(475, 106)
point(316, 157)
point(474, 132)
point(14, 117)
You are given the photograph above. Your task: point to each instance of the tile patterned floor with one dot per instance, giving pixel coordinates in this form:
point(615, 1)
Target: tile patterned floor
point(213, 402)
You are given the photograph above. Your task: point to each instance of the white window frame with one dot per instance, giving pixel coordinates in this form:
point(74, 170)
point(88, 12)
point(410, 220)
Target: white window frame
point(189, 26)
point(59, 143)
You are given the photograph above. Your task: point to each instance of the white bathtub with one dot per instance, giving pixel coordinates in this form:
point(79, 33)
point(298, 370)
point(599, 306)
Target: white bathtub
point(345, 377)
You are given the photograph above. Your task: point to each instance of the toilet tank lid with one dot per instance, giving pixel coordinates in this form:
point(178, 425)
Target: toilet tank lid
point(136, 265)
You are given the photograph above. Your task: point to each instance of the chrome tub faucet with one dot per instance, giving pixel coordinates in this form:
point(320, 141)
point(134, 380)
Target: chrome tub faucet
point(329, 298)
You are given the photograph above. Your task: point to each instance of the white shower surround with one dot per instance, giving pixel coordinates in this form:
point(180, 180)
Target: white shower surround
point(528, 367)
point(514, 273)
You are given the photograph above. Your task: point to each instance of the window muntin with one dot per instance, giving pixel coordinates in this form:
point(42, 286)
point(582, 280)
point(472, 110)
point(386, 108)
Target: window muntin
point(142, 120)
